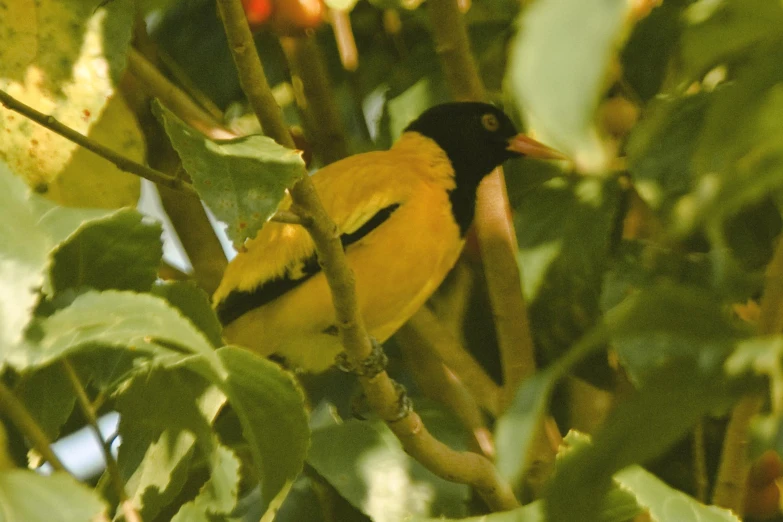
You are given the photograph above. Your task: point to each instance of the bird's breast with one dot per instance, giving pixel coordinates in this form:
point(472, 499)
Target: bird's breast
point(400, 265)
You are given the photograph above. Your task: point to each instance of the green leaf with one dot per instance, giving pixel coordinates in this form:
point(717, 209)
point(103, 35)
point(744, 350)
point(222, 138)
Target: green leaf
point(723, 30)
point(648, 52)
point(665, 503)
point(365, 462)
point(565, 229)
point(165, 414)
point(137, 322)
point(242, 180)
point(49, 397)
point(740, 156)
point(121, 251)
point(194, 304)
point(637, 430)
point(661, 149)
point(516, 429)
point(667, 324)
point(29, 497)
point(271, 408)
point(557, 70)
point(30, 228)
point(219, 494)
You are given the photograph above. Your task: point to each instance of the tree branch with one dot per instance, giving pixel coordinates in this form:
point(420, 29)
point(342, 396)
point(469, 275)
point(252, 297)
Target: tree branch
point(382, 395)
point(425, 328)
point(438, 382)
point(174, 98)
point(28, 426)
point(187, 214)
point(493, 226)
point(120, 161)
point(315, 98)
point(251, 72)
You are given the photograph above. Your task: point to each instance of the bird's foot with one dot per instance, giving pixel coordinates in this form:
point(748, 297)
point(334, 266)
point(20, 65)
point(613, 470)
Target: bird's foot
point(370, 367)
point(361, 410)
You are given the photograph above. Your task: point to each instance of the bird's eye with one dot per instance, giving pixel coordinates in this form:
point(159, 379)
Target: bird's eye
point(490, 122)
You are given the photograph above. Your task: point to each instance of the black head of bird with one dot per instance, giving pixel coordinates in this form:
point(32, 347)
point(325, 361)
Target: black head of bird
point(477, 137)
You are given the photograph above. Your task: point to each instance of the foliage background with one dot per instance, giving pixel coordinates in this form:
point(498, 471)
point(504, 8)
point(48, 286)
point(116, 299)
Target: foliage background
point(649, 262)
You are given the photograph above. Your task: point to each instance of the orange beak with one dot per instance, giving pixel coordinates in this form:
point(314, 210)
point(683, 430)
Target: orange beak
point(527, 146)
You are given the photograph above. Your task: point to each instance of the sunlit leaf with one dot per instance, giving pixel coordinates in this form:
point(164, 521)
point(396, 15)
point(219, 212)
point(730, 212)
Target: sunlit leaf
point(637, 430)
point(618, 506)
point(65, 58)
point(366, 464)
point(165, 414)
point(137, 322)
point(241, 180)
point(30, 228)
point(29, 497)
point(665, 503)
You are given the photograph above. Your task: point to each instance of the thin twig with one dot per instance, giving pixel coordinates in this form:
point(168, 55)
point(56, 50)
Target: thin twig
point(700, 481)
point(174, 98)
point(343, 35)
point(28, 426)
point(382, 395)
point(120, 161)
point(251, 72)
point(111, 465)
point(731, 483)
point(285, 216)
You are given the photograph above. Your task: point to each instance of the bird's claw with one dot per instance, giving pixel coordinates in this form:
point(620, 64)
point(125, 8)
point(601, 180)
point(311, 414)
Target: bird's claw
point(370, 367)
point(359, 405)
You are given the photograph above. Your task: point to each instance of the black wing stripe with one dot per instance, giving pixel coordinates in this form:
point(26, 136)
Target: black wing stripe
point(238, 303)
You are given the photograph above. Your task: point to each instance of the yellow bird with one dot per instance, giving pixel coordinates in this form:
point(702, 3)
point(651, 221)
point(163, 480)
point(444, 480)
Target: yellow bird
point(403, 215)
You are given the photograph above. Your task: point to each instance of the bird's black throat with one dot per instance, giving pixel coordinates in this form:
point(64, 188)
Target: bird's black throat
point(463, 204)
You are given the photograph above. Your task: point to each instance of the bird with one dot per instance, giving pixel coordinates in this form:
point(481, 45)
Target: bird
point(402, 215)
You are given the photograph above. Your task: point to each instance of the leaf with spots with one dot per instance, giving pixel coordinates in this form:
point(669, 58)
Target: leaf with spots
point(65, 58)
point(242, 180)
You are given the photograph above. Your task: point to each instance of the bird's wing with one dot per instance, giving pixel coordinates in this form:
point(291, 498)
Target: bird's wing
point(359, 193)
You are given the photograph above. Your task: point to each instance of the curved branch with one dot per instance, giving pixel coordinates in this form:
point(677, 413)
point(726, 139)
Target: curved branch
point(493, 226)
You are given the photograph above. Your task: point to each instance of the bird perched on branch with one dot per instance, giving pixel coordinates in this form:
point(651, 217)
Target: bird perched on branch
point(402, 215)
